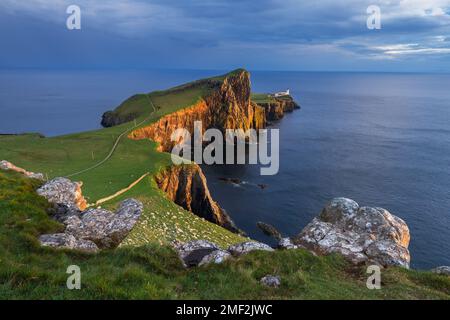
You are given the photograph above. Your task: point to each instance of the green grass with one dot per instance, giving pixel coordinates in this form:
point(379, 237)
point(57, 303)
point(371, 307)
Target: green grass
point(153, 271)
point(261, 98)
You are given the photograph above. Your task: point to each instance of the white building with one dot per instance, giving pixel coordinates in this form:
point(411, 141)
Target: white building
point(281, 93)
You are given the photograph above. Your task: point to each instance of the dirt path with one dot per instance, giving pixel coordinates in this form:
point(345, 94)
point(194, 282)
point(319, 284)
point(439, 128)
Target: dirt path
point(115, 143)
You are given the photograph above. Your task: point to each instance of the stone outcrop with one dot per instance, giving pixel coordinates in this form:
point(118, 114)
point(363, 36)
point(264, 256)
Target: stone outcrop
point(67, 241)
point(95, 229)
point(6, 165)
point(442, 270)
point(275, 109)
point(269, 230)
point(186, 186)
point(202, 252)
point(227, 106)
point(271, 281)
point(64, 192)
point(249, 246)
point(360, 234)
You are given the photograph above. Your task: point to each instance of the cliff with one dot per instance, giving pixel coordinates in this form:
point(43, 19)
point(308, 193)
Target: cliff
point(227, 106)
point(186, 186)
point(275, 108)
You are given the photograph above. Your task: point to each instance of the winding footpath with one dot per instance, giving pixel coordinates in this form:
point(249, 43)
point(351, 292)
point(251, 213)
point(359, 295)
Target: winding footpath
point(116, 143)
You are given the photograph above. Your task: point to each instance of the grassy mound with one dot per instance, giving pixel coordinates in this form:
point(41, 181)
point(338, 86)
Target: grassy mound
point(153, 271)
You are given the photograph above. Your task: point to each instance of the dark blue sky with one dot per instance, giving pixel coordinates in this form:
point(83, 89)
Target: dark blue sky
point(217, 34)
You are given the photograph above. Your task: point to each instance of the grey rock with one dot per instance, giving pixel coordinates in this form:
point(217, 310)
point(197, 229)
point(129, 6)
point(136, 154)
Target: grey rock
point(6, 165)
point(246, 247)
point(103, 227)
point(63, 191)
point(67, 241)
point(271, 281)
point(217, 256)
point(269, 230)
point(287, 244)
point(360, 234)
point(442, 270)
point(186, 249)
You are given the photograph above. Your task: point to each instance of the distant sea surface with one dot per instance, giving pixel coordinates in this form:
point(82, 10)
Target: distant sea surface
point(380, 139)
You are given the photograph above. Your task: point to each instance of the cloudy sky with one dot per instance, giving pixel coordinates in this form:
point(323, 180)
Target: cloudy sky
point(325, 35)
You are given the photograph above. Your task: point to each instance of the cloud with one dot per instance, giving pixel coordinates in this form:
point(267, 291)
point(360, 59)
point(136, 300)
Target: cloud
point(286, 29)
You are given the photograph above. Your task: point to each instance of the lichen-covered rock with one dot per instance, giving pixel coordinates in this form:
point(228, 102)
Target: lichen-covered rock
point(103, 227)
point(360, 234)
point(192, 253)
point(217, 256)
point(62, 191)
point(246, 247)
point(6, 165)
point(442, 270)
point(184, 249)
point(286, 244)
point(271, 281)
point(67, 241)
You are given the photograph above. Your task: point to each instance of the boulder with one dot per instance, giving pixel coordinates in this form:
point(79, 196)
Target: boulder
point(104, 228)
point(269, 230)
point(271, 281)
point(217, 256)
point(192, 253)
point(286, 244)
point(360, 234)
point(442, 270)
point(246, 247)
point(67, 241)
point(6, 165)
point(62, 191)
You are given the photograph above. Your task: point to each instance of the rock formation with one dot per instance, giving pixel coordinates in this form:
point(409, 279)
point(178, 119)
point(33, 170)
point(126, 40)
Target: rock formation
point(360, 234)
point(62, 191)
point(276, 109)
point(227, 106)
point(202, 252)
point(271, 281)
point(6, 165)
point(246, 247)
point(95, 229)
point(442, 270)
point(186, 186)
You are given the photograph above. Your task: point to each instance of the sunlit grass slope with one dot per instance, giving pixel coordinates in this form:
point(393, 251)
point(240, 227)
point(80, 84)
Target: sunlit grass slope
point(152, 271)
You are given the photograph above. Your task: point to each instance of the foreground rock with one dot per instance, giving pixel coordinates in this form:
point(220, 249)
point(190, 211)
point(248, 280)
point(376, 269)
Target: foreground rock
point(6, 165)
point(64, 192)
point(287, 244)
point(442, 270)
point(96, 227)
point(246, 247)
point(360, 234)
point(271, 281)
point(202, 252)
point(269, 230)
point(192, 253)
point(67, 241)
